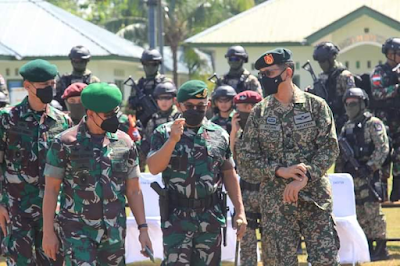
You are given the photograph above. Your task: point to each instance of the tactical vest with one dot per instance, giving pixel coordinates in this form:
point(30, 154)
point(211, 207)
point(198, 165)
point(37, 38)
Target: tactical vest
point(159, 119)
point(335, 101)
point(147, 86)
point(355, 137)
point(240, 85)
point(70, 79)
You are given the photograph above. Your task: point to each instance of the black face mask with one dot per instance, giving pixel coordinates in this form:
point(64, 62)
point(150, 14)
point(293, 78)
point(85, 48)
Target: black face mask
point(77, 111)
point(110, 124)
point(80, 66)
point(270, 85)
point(45, 95)
point(193, 117)
point(243, 119)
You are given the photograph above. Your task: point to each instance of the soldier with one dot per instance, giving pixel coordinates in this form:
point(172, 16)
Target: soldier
point(164, 94)
point(80, 57)
point(336, 78)
point(195, 160)
point(245, 102)
point(3, 87)
point(366, 135)
point(238, 77)
point(289, 144)
point(72, 99)
point(222, 98)
point(26, 131)
point(98, 166)
point(151, 61)
point(385, 90)
point(4, 100)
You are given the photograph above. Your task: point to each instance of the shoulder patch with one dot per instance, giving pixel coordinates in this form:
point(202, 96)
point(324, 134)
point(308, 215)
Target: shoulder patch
point(378, 127)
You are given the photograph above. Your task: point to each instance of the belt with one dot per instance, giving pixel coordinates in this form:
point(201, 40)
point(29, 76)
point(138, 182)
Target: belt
point(253, 219)
point(204, 203)
point(249, 186)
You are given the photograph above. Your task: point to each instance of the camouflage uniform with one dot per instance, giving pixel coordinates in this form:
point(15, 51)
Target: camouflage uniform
point(92, 218)
point(375, 148)
point(385, 90)
point(277, 135)
point(250, 187)
point(245, 82)
point(192, 236)
point(3, 86)
point(74, 77)
point(225, 123)
point(337, 81)
point(25, 136)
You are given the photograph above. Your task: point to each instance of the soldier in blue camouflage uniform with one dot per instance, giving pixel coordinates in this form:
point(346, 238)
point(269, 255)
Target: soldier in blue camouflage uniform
point(244, 103)
point(289, 144)
point(98, 166)
point(195, 160)
point(222, 98)
point(26, 131)
point(367, 137)
point(385, 90)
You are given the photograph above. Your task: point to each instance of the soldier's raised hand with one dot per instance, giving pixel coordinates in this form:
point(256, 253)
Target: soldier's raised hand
point(177, 129)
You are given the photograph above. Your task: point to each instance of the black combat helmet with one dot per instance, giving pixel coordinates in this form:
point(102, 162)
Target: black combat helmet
point(3, 99)
point(223, 91)
point(164, 88)
point(238, 51)
point(151, 55)
point(391, 43)
point(79, 52)
point(324, 51)
point(356, 93)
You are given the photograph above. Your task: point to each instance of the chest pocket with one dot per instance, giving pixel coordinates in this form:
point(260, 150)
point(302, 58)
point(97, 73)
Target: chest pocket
point(304, 128)
point(82, 169)
point(215, 156)
point(271, 129)
point(179, 159)
point(119, 168)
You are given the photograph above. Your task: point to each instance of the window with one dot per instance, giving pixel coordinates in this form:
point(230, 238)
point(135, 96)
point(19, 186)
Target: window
point(357, 64)
point(346, 64)
point(296, 80)
point(120, 85)
point(369, 64)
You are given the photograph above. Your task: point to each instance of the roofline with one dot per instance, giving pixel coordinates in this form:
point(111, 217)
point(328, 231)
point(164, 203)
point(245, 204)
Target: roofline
point(191, 40)
point(55, 58)
point(364, 10)
point(252, 44)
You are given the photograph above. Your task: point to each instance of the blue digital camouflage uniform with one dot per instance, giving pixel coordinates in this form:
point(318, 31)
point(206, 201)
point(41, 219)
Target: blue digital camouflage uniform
point(278, 135)
point(25, 136)
point(193, 236)
point(94, 169)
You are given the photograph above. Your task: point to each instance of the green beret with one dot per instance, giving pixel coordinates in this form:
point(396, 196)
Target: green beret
point(101, 97)
point(192, 89)
point(38, 70)
point(273, 57)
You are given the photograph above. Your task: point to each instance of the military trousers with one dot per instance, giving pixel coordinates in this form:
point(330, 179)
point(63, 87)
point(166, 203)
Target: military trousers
point(372, 220)
point(23, 244)
point(249, 244)
point(193, 238)
point(282, 230)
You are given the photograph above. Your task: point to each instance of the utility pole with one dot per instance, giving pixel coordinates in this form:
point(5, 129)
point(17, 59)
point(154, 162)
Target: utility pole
point(151, 4)
point(161, 33)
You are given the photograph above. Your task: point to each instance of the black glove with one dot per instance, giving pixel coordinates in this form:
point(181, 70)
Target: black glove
point(365, 171)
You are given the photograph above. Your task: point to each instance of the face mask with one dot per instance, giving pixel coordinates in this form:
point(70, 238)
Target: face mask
point(193, 117)
point(77, 111)
point(79, 66)
point(270, 85)
point(243, 119)
point(110, 124)
point(354, 109)
point(151, 69)
point(235, 65)
point(45, 94)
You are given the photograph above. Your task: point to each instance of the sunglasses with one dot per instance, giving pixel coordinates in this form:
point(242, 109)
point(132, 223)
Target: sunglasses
point(164, 98)
point(234, 59)
point(269, 73)
point(199, 107)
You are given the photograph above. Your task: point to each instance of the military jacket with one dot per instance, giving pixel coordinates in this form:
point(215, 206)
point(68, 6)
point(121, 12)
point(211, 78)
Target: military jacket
point(196, 164)
point(239, 144)
point(245, 82)
point(225, 123)
point(160, 118)
point(93, 170)
point(344, 80)
point(147, 85)
point(278, 135)
point(25, 137)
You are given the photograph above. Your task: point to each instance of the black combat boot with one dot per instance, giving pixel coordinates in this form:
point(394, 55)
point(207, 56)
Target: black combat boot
point(395, 195)
point(371, 247)
point(381, 252)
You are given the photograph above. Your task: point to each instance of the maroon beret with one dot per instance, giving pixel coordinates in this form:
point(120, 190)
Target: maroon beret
point(74, 89)
point(247, 97)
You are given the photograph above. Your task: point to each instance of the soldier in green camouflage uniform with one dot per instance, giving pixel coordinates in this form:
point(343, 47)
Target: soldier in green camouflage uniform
point(336, 78)
point(80, 57)
point(26, 131)
point(289, 144)
point(222, 98)
point(368, 139)
point(238, 77)
point(97, 166)
point(195, 160)
point(385, 90)
point(244, 103)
